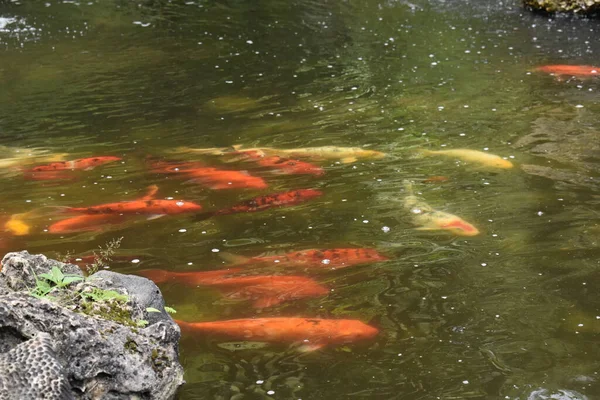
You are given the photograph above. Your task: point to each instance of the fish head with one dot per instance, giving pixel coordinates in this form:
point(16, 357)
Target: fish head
point(502, 163)
point(459, 227)
point(350, 331)
point(308, 193)
point(187, 206)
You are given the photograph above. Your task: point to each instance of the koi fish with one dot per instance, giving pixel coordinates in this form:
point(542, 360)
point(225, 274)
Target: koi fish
point(83, 164)
point(263, 290)
point(261, 203)
point(145, 205)
point(344, 154)
point(429, 219)
point(313, 333)
point(210, 177)
point(579, 71)
point(280, 164)
point(21, 156)
point(16, 225)
point(82, 223)
point(313, 258)
point(474, 156)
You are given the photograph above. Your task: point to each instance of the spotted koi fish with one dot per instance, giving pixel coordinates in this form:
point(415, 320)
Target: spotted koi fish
point(311, 333)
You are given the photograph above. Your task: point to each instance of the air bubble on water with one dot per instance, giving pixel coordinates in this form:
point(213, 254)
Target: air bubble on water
point(325, 261)
point(385, 229)
point(215, 250)
point(169, 198)
point(249, 42)
point(182, 230)
point(540, 213)
point(579, 106)
point(260, 382)
point(365, 221)
point(483, 264)
point(135, 261)
point(271, 392)
point(179, 203)
point(190, 263)
point(465, 382)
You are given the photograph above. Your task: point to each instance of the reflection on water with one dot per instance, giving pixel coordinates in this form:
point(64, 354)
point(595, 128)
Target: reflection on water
point(509, 313)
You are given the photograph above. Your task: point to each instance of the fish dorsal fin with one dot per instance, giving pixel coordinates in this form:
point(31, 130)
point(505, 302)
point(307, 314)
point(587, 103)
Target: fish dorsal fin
point(151, 193)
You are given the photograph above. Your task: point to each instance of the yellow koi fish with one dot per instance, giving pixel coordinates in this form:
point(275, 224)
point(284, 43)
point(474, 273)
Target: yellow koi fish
point(16, 225)
point(429, 219)
point(474, 156)
point(344, 154)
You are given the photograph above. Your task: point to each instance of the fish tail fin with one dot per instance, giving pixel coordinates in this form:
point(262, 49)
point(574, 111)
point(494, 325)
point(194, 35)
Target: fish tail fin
point(234, 259)
point(155, 275)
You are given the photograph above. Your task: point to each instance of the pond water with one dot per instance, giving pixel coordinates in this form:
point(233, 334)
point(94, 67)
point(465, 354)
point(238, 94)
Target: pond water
point(512, 312)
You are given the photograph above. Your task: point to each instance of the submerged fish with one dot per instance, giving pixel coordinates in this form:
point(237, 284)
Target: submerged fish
point(429, 219)
point(264, 290)
point(261, 203)
point(83, 164)
point(17, 225)
point(344, 154)
point(210, 177)
point(82, 223)
point(312, 333)
point(313, 258)
point(143, 206)
point(281, 165)
point(579, 71)
point(474, 156)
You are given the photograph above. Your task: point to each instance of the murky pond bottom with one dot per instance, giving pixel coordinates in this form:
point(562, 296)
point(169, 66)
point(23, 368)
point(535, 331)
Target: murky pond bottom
point(508, 310)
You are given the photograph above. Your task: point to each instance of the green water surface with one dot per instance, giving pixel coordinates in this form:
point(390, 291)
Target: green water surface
point(502, 315)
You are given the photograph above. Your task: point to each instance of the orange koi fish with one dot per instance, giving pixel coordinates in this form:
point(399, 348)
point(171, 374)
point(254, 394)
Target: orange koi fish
point(436, 179)
point(429, 219)
point(313, 258)
point(210, 177)
point(579, 71)
point(82, 223)
point(264, 290)
point(279, 164)
point(143, 206)
point(313, 333)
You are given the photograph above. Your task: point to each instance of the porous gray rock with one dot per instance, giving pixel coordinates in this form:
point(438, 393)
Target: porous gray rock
point(564, 6)
point(92, 357)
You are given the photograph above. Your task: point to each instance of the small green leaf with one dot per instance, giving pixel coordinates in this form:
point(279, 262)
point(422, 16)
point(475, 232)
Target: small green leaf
point(57, 274)
point(170, 310)
point(141, 323)
point(70, 279)
point(47, 276)
point(151, 309)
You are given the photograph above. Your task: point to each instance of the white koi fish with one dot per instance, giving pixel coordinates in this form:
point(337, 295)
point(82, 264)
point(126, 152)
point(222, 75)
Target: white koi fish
point(429, 219)
point(474, 156)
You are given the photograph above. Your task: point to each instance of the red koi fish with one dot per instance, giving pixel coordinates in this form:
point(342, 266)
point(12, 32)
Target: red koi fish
point(579, 71)
point(82, 223)
point(57, 170)
point(313, 258)
point(82, 164)
point(260, 203)
point(210, 177)
point(263, 290)
point(145, 205)
point(281, 165)
point(313, 333)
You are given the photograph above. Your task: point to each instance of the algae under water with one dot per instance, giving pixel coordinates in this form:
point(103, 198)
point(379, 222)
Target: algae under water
point(511, 313)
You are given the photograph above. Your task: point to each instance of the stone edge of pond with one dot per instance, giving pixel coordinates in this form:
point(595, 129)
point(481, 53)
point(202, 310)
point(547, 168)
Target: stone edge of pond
point(582, 7)
point(106, 336)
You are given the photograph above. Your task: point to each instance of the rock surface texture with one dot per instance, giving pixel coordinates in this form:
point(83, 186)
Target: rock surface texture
point(565, 6)
point(51, 350)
